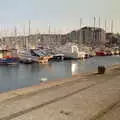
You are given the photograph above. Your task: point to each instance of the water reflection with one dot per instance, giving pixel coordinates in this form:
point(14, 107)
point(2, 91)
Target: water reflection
point(44, 79)
point(74, 68)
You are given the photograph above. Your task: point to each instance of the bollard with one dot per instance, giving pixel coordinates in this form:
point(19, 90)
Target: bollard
point(101, 69)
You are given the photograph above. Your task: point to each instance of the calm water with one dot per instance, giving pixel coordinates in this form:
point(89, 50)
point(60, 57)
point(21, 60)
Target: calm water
point(18, 76)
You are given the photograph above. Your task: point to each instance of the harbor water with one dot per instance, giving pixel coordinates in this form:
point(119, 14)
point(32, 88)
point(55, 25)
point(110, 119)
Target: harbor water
point(18, 76)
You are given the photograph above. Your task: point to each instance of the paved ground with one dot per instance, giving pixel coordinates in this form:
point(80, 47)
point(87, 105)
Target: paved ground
point(92, 97)
point(113, 114)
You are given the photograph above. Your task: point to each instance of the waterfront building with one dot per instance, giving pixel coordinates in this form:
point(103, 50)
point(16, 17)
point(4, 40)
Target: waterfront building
point(89, 35)
point(85, 35)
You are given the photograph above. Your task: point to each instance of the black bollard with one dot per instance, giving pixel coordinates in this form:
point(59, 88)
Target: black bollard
point(101, 69)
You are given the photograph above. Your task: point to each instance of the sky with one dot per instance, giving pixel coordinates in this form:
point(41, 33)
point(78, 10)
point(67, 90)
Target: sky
point(62, 15)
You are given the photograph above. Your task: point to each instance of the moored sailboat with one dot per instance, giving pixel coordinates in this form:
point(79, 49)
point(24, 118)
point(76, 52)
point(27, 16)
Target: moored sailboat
point(25, 55)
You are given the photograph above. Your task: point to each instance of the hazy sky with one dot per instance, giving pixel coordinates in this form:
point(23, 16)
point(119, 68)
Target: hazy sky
point(62, 15)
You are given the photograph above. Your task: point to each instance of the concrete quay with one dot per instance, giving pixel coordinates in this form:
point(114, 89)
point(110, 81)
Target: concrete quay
point(82, 97)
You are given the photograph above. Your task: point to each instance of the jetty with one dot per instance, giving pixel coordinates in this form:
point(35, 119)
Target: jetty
point(89, 96)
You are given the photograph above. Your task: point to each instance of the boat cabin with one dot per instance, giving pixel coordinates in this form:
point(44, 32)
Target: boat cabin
point(4, 54)
point(7, 53)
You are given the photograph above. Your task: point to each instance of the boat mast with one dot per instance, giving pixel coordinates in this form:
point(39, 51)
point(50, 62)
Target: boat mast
point(100, 29)
point(94, 21)
point(49, 32)
point(55, 43)
point(1, 34)
point(111, 29)
point(99, 21)
point(29, 32)
point(24, 42)
point(94, 25)
point(80, 31)
point(5, 33)
point(106, 25)
point(15, 34)
point(37, 38)
point(112, 26)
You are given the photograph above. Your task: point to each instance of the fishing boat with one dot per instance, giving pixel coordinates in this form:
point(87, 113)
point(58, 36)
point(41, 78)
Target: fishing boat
point(40, 56)
point(25, 57)
point(57, 57)
point(71, 51)
point(7, 58)
point(101, 53)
